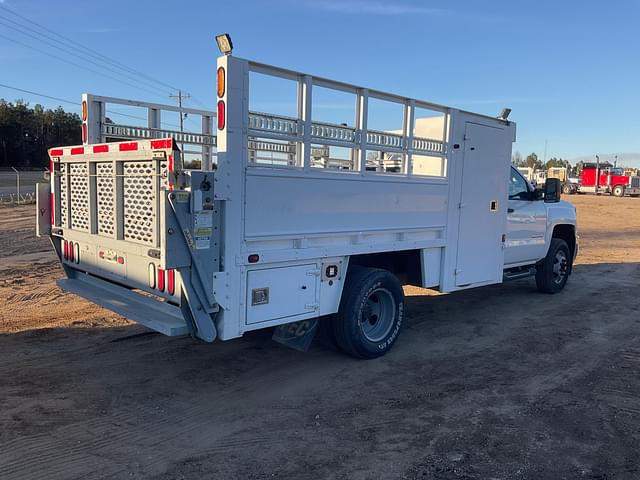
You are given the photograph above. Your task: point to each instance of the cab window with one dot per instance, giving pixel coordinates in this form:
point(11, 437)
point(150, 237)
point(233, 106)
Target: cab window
point(518, 188)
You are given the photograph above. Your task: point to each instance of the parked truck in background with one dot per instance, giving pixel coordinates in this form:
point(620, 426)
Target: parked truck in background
point(569, 185)
point(268, 234)
point(605, 178)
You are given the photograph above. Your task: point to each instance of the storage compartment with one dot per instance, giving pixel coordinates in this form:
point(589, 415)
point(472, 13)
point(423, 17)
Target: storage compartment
point(275, 293)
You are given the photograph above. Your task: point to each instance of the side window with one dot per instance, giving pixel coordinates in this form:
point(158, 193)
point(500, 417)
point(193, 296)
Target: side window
point(517, 186)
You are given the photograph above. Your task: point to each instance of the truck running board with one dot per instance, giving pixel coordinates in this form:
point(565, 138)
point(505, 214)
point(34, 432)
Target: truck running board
point(518, 273)
point(158, 316)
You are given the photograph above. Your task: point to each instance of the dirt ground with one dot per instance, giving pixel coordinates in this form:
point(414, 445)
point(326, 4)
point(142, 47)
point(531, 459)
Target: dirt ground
point(494, 383)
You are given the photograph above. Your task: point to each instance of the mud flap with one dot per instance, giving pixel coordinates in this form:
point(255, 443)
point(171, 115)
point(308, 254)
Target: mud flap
point(297, 335)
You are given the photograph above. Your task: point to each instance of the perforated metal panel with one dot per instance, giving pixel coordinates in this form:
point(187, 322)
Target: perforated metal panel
point(79, 182)
point(139, 202)
point(105, 186)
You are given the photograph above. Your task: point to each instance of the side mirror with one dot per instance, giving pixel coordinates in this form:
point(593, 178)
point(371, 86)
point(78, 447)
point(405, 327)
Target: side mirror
point(552, 189)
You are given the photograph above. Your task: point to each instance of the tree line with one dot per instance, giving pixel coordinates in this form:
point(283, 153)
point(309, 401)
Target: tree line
point(534, 162)
point(26, 132)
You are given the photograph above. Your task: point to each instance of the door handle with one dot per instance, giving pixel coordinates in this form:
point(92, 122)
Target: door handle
point(509, 210)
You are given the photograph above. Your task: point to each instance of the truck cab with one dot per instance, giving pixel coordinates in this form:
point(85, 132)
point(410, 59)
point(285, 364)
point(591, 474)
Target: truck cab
point(536, 224)
point(606, 178)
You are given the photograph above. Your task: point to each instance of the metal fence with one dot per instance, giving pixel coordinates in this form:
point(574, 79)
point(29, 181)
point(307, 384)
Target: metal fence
point(19, 186)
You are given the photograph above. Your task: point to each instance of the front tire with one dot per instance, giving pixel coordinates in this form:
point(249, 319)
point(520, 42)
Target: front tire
point(371, 313)
point(618, 191)
point(552, 273)
point(566, 189)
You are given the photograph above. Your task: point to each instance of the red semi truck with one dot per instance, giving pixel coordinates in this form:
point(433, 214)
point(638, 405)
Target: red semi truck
point(605, 178)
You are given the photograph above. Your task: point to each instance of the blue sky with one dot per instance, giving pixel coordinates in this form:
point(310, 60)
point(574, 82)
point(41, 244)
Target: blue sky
point(568, 69)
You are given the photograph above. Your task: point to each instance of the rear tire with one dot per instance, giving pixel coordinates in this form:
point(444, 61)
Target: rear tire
point(566, 189)
point(618, 191)
point(371, 313)
point(552, 273)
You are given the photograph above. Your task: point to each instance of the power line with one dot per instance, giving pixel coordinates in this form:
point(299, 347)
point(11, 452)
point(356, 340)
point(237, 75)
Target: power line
point(111, 112)
point(78, 65)
point(66, 50)
point(37, 94)
point(93, 52)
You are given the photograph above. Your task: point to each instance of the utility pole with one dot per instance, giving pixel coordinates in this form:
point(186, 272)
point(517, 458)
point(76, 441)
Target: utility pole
point(181, 96)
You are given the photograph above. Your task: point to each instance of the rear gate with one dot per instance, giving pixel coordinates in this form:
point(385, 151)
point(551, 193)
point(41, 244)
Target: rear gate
point(106, 201)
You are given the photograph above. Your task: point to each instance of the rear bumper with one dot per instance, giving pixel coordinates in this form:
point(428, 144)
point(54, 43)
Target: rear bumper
point(160, 316)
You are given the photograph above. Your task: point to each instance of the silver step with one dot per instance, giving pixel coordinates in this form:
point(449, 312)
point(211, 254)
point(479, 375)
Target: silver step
point(159, 316)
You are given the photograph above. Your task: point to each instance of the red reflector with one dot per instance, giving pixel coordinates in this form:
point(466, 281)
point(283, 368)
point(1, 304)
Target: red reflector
point(53, 210)
point(170, 168)
point(66, 250)
point(101, 254)
point(56, 152)
point(171, 281)
point(161, 280)
point(165, 143)
point(84, 133)
point(254, 258)
point(100, 148)
point(221, 119)
point(77, 151)
point(121, 260)
point(71, 252)
point(127, 147)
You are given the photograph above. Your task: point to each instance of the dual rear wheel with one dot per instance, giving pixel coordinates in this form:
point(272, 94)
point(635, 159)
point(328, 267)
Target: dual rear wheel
point(371, 313)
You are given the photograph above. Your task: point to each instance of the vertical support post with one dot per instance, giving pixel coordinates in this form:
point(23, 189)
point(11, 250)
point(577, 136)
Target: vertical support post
point(229, 195)
point(207, 160)
point(444, 160)
point(362, 112)
point(153, 118)
point(304, 114)
point(407, 128)
point(93, 116)
point(17, 183)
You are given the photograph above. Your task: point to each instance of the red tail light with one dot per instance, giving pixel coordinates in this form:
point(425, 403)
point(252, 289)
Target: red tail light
point(84, 133)
point(161, 280)
point(171, 281)
point(65, 250)
point(221, 111)
point(71, 259)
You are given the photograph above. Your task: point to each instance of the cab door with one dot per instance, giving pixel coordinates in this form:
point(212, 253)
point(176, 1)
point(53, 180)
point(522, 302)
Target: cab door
point(526, 223)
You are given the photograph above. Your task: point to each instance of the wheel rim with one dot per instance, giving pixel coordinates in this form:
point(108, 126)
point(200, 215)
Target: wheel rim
point(378, 314)
point(560, 266)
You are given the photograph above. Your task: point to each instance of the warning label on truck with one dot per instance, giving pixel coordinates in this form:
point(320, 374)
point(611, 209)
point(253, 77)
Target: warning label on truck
point(202, 219)
point(202, 237)
point(202, 229)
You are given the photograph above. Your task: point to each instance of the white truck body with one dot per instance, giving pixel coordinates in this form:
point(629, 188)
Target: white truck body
point(252, 243)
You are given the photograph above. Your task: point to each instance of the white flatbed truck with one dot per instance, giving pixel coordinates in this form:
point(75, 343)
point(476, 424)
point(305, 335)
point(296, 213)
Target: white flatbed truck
point(252, 242)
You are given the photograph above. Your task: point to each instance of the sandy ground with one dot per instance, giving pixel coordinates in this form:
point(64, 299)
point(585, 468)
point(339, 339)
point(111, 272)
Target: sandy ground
point(500, 382)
